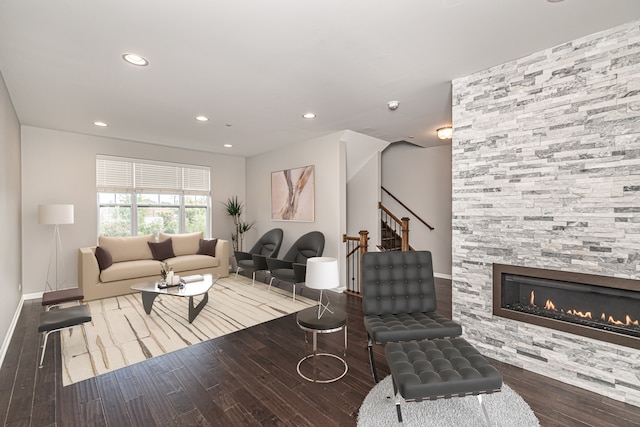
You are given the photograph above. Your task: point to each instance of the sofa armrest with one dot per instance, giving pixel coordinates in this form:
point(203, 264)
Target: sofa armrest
point(222, 253)
point(88, 269)
point(277, 264)
point(300, 272)
point(242, 256)
point(259, 262)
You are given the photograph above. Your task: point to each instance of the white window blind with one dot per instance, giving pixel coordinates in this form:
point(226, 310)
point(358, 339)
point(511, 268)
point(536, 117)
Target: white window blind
point(123, 175)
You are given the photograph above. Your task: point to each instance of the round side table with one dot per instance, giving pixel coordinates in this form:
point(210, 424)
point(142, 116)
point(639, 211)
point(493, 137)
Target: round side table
point(308, 321)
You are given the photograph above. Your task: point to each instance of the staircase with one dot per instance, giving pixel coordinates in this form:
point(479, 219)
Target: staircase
point(394, 236)
point(390, 240)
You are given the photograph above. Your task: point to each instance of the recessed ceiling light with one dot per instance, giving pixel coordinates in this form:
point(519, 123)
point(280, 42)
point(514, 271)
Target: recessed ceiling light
point(393, 105)
point(202, 118)
point(554, 1)
point(309, 115)
point(135, 59)
point(101, 124)
point(228, 145)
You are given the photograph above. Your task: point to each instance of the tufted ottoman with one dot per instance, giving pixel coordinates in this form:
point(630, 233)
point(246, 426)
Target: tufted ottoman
point(440, 369)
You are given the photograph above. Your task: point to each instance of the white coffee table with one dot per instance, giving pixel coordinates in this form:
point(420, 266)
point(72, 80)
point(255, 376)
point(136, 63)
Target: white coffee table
point(150, 291)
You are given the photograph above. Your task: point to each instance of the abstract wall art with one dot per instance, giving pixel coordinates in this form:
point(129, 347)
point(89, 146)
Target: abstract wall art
point(293, 194)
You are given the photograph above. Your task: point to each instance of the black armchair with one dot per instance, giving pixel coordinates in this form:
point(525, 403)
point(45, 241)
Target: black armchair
point(307, 246)
point(267, 246)
point(399, 300)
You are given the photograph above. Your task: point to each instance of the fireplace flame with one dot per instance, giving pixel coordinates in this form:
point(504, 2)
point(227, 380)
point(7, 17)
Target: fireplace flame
point(533, 297)
point(627, 322)
point(587, 315)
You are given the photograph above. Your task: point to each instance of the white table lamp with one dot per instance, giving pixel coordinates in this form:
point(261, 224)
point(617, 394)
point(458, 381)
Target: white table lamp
point(56, 215)
point(322, 273)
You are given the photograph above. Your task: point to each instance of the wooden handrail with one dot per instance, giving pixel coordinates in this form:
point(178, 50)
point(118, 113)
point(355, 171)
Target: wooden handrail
point(405, 206)
point(388, 212)
point(404, 227)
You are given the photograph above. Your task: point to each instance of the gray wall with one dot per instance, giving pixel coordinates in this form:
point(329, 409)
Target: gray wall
point(421, 179)
point(327, 155)
point(10, 216)
point(363, 184)
point(59, 167)
point(546, 173)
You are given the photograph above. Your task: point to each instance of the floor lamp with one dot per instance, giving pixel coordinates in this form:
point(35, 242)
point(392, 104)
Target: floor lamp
point(56, 215)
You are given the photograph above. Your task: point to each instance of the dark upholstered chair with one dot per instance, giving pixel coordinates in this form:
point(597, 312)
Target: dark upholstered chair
point(399, 300)
point(307, 246)
point(267, 246)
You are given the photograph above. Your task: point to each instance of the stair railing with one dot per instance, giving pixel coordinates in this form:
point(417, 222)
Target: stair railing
point(356, 247)
point(407, 208)
point(398, 228)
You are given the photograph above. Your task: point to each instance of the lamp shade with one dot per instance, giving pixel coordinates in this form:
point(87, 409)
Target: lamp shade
point(55, 214)
point(322, 273)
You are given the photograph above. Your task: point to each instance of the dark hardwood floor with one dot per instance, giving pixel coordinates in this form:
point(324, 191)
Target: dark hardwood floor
point(245, 378)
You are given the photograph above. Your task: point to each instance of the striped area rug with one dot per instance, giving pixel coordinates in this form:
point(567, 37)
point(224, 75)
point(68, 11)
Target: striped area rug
point(121, 333)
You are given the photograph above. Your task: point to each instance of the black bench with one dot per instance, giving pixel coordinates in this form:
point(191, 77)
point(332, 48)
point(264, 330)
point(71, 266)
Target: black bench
point(440, 369)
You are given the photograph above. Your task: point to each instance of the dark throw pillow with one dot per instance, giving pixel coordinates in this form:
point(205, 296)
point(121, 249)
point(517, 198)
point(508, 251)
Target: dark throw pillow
point(162, 250)
point(207, 247)
point(104, 258)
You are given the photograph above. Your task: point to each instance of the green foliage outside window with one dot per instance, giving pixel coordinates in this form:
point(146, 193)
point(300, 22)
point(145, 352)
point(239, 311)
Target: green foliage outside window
point(155, 213)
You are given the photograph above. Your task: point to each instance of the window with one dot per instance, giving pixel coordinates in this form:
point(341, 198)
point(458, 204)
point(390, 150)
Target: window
point(143, 197)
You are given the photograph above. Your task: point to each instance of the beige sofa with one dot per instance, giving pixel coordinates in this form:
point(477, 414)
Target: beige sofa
point(127, 261)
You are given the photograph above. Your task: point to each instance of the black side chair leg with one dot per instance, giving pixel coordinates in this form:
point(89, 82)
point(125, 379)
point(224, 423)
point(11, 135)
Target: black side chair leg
point(372, 361)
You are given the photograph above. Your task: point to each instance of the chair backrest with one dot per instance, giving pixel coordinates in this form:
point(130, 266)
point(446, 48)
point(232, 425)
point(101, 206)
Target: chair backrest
point(269, 244)
point(398, 282)
point(307, 246)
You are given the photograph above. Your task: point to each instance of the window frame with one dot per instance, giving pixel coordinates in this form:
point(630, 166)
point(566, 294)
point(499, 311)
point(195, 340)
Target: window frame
point(121, 175)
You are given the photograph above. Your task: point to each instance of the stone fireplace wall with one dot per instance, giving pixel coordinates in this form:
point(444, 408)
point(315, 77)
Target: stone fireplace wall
point(546, 173)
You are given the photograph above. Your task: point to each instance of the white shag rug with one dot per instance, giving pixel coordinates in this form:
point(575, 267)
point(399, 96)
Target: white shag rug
point(506, 409)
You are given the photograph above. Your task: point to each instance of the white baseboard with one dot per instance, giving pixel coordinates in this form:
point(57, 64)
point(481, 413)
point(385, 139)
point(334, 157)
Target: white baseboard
point(34, 295)
point(12, 328)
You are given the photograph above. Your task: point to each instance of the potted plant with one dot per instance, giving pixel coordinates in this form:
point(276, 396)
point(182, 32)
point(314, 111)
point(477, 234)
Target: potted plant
point(234, 209)
point(164, 271)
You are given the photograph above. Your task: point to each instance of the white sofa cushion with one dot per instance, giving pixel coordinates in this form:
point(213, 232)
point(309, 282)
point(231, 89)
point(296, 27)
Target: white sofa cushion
point(128, 248)
point(183, 244)
point(192, 262)
point(130, 270)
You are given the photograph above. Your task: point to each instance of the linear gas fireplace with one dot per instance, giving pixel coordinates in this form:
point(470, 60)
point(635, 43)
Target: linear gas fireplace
point(599, 307)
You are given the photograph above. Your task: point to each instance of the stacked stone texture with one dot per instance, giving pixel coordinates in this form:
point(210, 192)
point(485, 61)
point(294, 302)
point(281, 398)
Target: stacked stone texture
point(546, 173)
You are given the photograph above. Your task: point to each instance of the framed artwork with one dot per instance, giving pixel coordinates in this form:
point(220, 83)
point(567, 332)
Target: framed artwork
point(293, 194)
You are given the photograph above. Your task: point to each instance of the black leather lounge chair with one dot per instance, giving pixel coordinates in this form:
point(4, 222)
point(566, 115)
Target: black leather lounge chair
point(399, 300)
point(267, 246)
point(307, 246)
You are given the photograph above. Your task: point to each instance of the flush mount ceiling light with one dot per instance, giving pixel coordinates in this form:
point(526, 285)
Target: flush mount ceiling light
point(309, 115)
point(202, 118)
point(445, 132)
point(101, 124)
point(393, 105)
point(135, 59)
point(228, 145)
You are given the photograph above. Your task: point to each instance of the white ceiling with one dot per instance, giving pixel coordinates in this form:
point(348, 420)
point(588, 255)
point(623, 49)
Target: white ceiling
point(255, 66)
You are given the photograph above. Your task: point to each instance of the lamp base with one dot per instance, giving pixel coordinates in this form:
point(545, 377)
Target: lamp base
point(323, 307)
point(56, 272)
